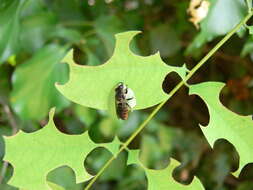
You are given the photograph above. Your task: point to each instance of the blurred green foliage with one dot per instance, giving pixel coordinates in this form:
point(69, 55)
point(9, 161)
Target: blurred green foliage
point(34, 35)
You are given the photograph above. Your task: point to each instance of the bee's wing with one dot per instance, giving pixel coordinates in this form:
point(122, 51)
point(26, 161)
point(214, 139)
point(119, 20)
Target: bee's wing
point(130, 97)
point(131, 103)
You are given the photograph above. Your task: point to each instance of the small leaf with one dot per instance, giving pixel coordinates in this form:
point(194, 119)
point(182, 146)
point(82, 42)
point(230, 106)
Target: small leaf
point(225, 124)
point(162, 179)
point(250, 28)
point(10, 27)
point(144, 75)
point(223, 15)
point(33, 84)
point(46, 149)
point(248, 48)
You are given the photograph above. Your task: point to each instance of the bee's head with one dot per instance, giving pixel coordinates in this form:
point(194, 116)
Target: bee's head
point(121, 86)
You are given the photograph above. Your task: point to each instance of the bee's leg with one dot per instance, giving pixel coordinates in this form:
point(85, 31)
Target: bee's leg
point(129, 98)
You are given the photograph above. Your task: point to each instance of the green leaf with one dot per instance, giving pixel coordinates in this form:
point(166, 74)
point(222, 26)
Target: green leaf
point(33, 84)
point(64, 177)
point(39, 26)
point(248, 47)
point(165, 39)
point(106, 27)
point(250, 29)
point(86, 115)
point(10, 27)
point(223, 15)
point(162, 179)
point(7, 187)
point(151, 152)
point(46, 149)
point(68, 11)
point(92, 59)
point(144, 75)
point(225, 124)
point(66, 34)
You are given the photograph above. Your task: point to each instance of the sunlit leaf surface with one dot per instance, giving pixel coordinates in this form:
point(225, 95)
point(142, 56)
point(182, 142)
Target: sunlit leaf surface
point(93, 86)
point(162, 179)
point(33, 155)
point(225, 124)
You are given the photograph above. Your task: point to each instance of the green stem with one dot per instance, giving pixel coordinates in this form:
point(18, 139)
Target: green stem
point(201, 62)
point(249, 5)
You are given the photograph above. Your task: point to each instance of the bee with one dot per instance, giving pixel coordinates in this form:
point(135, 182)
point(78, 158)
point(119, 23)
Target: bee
point(124, 101)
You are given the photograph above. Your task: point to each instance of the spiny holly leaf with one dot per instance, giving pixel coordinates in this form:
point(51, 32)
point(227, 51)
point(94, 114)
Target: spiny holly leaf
point(91, 86)
point(34, 92)
point(225, 124)
point(10, 27)
point(33, 155)
point(162, 179)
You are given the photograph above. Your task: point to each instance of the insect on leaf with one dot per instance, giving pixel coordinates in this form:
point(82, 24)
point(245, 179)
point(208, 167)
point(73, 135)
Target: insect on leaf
point(92, 86)
point(34, 155)
point(225, 124)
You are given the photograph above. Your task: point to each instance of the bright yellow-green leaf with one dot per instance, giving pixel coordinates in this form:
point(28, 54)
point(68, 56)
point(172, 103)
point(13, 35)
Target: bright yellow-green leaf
point(225, 124)
point(162, 179)
point(92, 86)
point(33, 155)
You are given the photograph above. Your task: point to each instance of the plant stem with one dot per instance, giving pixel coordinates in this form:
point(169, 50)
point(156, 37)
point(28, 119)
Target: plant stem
point(3, 171)
point(249, 5)
point(14, 127)
point(11, 118)
point(179, 85)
